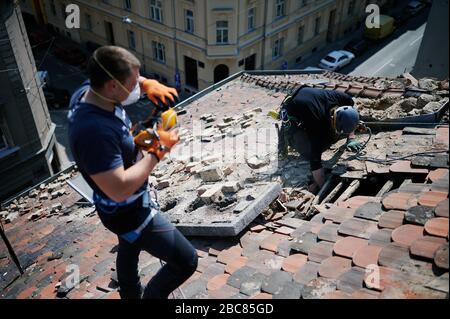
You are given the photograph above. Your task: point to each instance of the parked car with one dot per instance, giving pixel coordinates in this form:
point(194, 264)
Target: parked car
point(414, 7)
point(56, 98)
point(386, 28)
point(357, 46)
point(335, 60)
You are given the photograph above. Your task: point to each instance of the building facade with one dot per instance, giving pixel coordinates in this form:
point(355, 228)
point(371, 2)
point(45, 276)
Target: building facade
point(195, 43)
point(28, 151)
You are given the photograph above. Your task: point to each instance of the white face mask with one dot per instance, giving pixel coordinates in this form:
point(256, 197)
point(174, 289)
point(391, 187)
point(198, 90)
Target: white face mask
point(134, 96)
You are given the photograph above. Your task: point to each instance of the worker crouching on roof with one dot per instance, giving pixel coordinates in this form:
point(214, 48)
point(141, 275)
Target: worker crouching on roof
point(117, 170)
point(314, 119)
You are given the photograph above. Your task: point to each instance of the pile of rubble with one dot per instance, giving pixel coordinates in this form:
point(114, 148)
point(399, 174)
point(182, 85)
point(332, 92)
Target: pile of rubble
point(46, 200)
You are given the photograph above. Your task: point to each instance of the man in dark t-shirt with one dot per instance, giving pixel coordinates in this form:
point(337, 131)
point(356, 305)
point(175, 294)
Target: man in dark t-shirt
point(117, 170)
point(314, 120)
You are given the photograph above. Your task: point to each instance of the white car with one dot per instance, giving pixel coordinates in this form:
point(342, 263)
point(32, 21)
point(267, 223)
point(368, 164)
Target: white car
point(336, 60)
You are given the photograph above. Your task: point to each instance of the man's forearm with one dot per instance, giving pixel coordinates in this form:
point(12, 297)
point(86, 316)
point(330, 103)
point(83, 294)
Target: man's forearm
point(136, 175)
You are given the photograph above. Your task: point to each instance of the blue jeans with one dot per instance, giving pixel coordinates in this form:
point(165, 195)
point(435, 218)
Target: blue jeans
point(162, 240)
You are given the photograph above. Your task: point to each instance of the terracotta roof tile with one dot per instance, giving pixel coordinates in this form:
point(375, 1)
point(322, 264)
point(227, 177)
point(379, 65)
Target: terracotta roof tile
point(329, 233)
point(441, 256)
point(401, 201)
point(322, 250)
point(365, 294)
point(235, 264)
point(294, 262)
point(352, 280)
point(338, 214)
point(381, 277)
point(370, 211)
point(418, 215)
point(347, 246)
point(358, 228)
point(337, 294)
point(381, 237)
point(228, 255)
point(442, 208)
point(426, 246)
point(405, 235)
point(367, 255)
point(318, 288)
point(262, 295)
point(437, 227)
point(357, 201)
point(284, 230)
point(431, 199)
point(405, 167)
point(437, 174)
point(333, 267)
point(217, 282)
point(307, 272)
point(271, 242)
point(391, 219)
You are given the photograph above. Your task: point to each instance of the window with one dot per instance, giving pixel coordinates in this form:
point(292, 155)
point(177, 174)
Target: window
point(317, 26)
point(53, 7)
point(277, 49)
point(156, 10)
point(280, 8)
point(159, 52)
point(251, 19)
point(3, 142)
point(88, 22)
point(301, 34)
point(222, 32)
point(189, 21)
point(131, 40)
point(127, 5)
point(351, 8)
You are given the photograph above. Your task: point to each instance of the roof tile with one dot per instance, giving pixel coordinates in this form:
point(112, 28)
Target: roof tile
point(426, 246)
point(329, 233)
point(431, 199)
point(321, 251)
point(235, 264)
point(367, 255)
point(405, 235)
point(391, 219)
point(437, 174)
point(347, 246)
point(442, 208)
point(401, 201)
point(333, 267)
point(352, 280)
point(405, 167)
point(294, 262)
point(441, 256)
point(358, 228)
point(437, 227)
point(307, 272)
point(370, 211)
point(217, 282)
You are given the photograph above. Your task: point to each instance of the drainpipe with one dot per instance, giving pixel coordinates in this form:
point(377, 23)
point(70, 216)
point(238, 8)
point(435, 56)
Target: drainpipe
point(264, 35)
point(175, 36)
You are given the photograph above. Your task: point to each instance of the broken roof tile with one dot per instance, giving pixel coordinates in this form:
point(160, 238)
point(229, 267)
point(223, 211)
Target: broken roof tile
point(401, 201)
point(334, 266)
point(347, 246)
point(437, 227)
point(405, 235)
point(370, 211)
point(366, 255)
point(426, 246)
point(391, 219)
point(294, 262)
point(358, 227)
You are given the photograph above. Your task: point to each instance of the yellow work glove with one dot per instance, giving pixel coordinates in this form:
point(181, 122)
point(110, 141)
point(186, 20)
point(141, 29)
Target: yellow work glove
point(158, 92)
point(157, 142)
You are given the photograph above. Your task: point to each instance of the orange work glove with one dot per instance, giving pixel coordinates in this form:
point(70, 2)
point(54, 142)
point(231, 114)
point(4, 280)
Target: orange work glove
point(157, 142)
point(156, 90)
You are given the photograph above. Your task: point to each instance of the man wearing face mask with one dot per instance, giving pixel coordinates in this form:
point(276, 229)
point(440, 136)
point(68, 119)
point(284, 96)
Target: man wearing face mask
point(117, 171)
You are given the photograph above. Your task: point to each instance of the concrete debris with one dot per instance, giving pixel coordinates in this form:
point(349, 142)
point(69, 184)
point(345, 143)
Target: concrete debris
point(211, 174)
point(256, 162)
point(424, 99)
point(431, 107)
point(428, 84)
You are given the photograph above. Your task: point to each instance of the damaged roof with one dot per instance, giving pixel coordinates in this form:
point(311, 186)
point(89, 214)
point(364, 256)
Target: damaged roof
point(380, 230)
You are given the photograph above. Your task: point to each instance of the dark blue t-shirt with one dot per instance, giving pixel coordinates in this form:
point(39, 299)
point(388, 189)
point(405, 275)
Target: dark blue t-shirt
point(100, 140)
